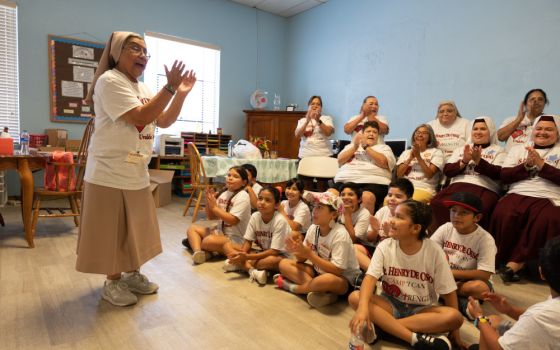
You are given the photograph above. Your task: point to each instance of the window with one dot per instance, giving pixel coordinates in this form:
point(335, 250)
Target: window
point(200, 112)
point(9, 85)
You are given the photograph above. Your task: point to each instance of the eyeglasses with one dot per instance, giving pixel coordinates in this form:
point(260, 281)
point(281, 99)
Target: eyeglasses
point(139, 51)
point(419, 132)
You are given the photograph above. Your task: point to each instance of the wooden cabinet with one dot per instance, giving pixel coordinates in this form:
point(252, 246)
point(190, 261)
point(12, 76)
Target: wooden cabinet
point(180, 165)
point(278, 127)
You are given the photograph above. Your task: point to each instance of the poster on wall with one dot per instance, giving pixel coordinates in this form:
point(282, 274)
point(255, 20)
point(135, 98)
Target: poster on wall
point(72, 64)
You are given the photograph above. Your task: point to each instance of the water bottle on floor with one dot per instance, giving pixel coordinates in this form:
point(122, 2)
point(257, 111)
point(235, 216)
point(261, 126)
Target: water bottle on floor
point(356, 342)
point(24, 142)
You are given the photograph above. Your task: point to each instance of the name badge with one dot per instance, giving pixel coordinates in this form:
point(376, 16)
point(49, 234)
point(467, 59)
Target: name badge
point(134, 158)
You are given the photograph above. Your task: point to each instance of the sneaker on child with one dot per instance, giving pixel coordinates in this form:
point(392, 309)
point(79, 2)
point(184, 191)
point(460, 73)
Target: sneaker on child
point(230, 267)
point(320, 299)
point(116, 292)
point(258, 275)
point(200, 257)
point(139, 283)
point(432, 342)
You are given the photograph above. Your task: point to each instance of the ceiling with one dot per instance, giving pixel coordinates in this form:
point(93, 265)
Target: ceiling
point(284, 8)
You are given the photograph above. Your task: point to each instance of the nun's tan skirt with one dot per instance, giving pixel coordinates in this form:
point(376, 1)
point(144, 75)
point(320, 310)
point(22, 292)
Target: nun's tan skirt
point(118, 230)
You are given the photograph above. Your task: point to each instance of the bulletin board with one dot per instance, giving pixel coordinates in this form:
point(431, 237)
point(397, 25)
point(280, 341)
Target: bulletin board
point(72, 63)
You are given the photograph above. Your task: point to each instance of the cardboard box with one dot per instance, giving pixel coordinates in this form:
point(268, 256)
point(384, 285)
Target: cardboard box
point(160, 186)
point(73, 145)
point(57, 137)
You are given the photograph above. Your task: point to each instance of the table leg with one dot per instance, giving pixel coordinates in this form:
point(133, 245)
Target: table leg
point(26, 178)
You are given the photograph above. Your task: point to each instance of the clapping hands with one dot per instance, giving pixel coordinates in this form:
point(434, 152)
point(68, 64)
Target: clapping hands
point(178, 78)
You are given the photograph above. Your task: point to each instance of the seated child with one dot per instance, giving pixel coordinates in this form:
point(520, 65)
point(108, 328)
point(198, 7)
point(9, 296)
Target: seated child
point(328, 247)
point(470, 249)
point(354, 217)
point(399, 191)
point(538, 326)
point(232, 207)
point(414, 272)
point(253, 187)
point(268, 229)
point(294, 209)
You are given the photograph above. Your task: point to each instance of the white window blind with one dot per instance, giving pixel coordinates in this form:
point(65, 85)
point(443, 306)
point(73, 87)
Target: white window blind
point(200, 112)
point(9, 84)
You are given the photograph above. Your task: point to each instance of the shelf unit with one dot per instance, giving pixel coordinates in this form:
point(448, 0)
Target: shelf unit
point(204, 142)
point(180, 164)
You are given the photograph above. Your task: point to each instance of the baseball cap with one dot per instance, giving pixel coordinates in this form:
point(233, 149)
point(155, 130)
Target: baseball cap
point(466, 200)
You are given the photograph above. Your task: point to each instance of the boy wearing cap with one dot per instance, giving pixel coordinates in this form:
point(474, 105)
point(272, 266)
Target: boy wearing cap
point(470, 250)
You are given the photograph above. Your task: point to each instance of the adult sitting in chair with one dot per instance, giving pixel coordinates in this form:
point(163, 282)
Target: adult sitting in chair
point(528, 215)
point(367, 164)
point(473, 168)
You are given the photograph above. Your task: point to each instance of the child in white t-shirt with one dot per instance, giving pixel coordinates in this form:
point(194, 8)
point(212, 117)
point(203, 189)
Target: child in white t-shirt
point(232, 207)
point(470, 250)
point(253, 188)
point(354, 217)
point(379, 224)
point(268, 229)
point(328, 247)
point(537, 327)
point(414, 274)
point(294, 209)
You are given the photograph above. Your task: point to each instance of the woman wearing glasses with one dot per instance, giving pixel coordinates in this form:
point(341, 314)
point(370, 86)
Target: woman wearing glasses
point(422, 163)
point(119, 229)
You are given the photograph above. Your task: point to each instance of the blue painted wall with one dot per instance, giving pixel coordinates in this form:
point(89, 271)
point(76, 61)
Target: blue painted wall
point(411, 54)
point(224, 23)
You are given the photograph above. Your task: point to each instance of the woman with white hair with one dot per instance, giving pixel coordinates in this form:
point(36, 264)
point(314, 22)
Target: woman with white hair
point(119, 230)
point(473, 168)
point(450, 128)
point(422, 163)
point(529, 214)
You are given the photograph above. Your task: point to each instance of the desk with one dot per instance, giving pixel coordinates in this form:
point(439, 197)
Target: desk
point(24, 165)
point(268, 170)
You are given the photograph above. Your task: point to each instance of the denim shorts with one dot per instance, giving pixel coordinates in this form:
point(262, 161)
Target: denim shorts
point(402, 310)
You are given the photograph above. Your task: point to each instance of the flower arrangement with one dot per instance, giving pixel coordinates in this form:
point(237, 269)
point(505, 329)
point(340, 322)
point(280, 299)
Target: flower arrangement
point(261, 143)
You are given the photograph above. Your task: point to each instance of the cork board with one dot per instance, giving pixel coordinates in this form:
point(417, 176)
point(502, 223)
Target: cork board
point(72, 63)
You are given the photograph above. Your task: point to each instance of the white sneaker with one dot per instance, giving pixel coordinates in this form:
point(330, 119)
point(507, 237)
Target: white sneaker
point(230, 267)
point(320, 299)
point(139, 283)
point(116, 292)
point(200, 257)
point(258, 275)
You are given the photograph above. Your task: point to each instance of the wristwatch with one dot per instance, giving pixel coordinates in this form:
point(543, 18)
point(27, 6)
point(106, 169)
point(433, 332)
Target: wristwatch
point(169, 88)
point(481, 319)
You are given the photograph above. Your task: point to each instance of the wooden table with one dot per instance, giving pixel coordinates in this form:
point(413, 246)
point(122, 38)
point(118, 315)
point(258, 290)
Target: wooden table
point(25, 165)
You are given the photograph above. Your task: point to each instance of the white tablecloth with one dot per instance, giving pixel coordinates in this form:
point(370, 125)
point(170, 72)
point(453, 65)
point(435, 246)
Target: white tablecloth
point(268, 170)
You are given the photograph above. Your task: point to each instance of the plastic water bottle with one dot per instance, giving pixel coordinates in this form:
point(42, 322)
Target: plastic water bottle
point(230, 149)
point(356, 342)
point(24, 142)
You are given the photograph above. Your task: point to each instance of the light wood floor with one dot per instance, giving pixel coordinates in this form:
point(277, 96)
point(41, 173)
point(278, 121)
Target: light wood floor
point(46, 304)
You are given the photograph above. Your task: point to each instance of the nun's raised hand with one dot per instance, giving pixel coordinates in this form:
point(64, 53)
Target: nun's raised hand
point(187, 81)
point(175, 74)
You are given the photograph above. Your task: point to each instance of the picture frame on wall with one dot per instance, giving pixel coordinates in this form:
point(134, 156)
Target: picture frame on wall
point(290, 108)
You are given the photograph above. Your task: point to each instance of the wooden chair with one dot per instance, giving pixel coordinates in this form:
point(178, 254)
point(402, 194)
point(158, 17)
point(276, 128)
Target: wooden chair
point(73, 194)
point(199, 181)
